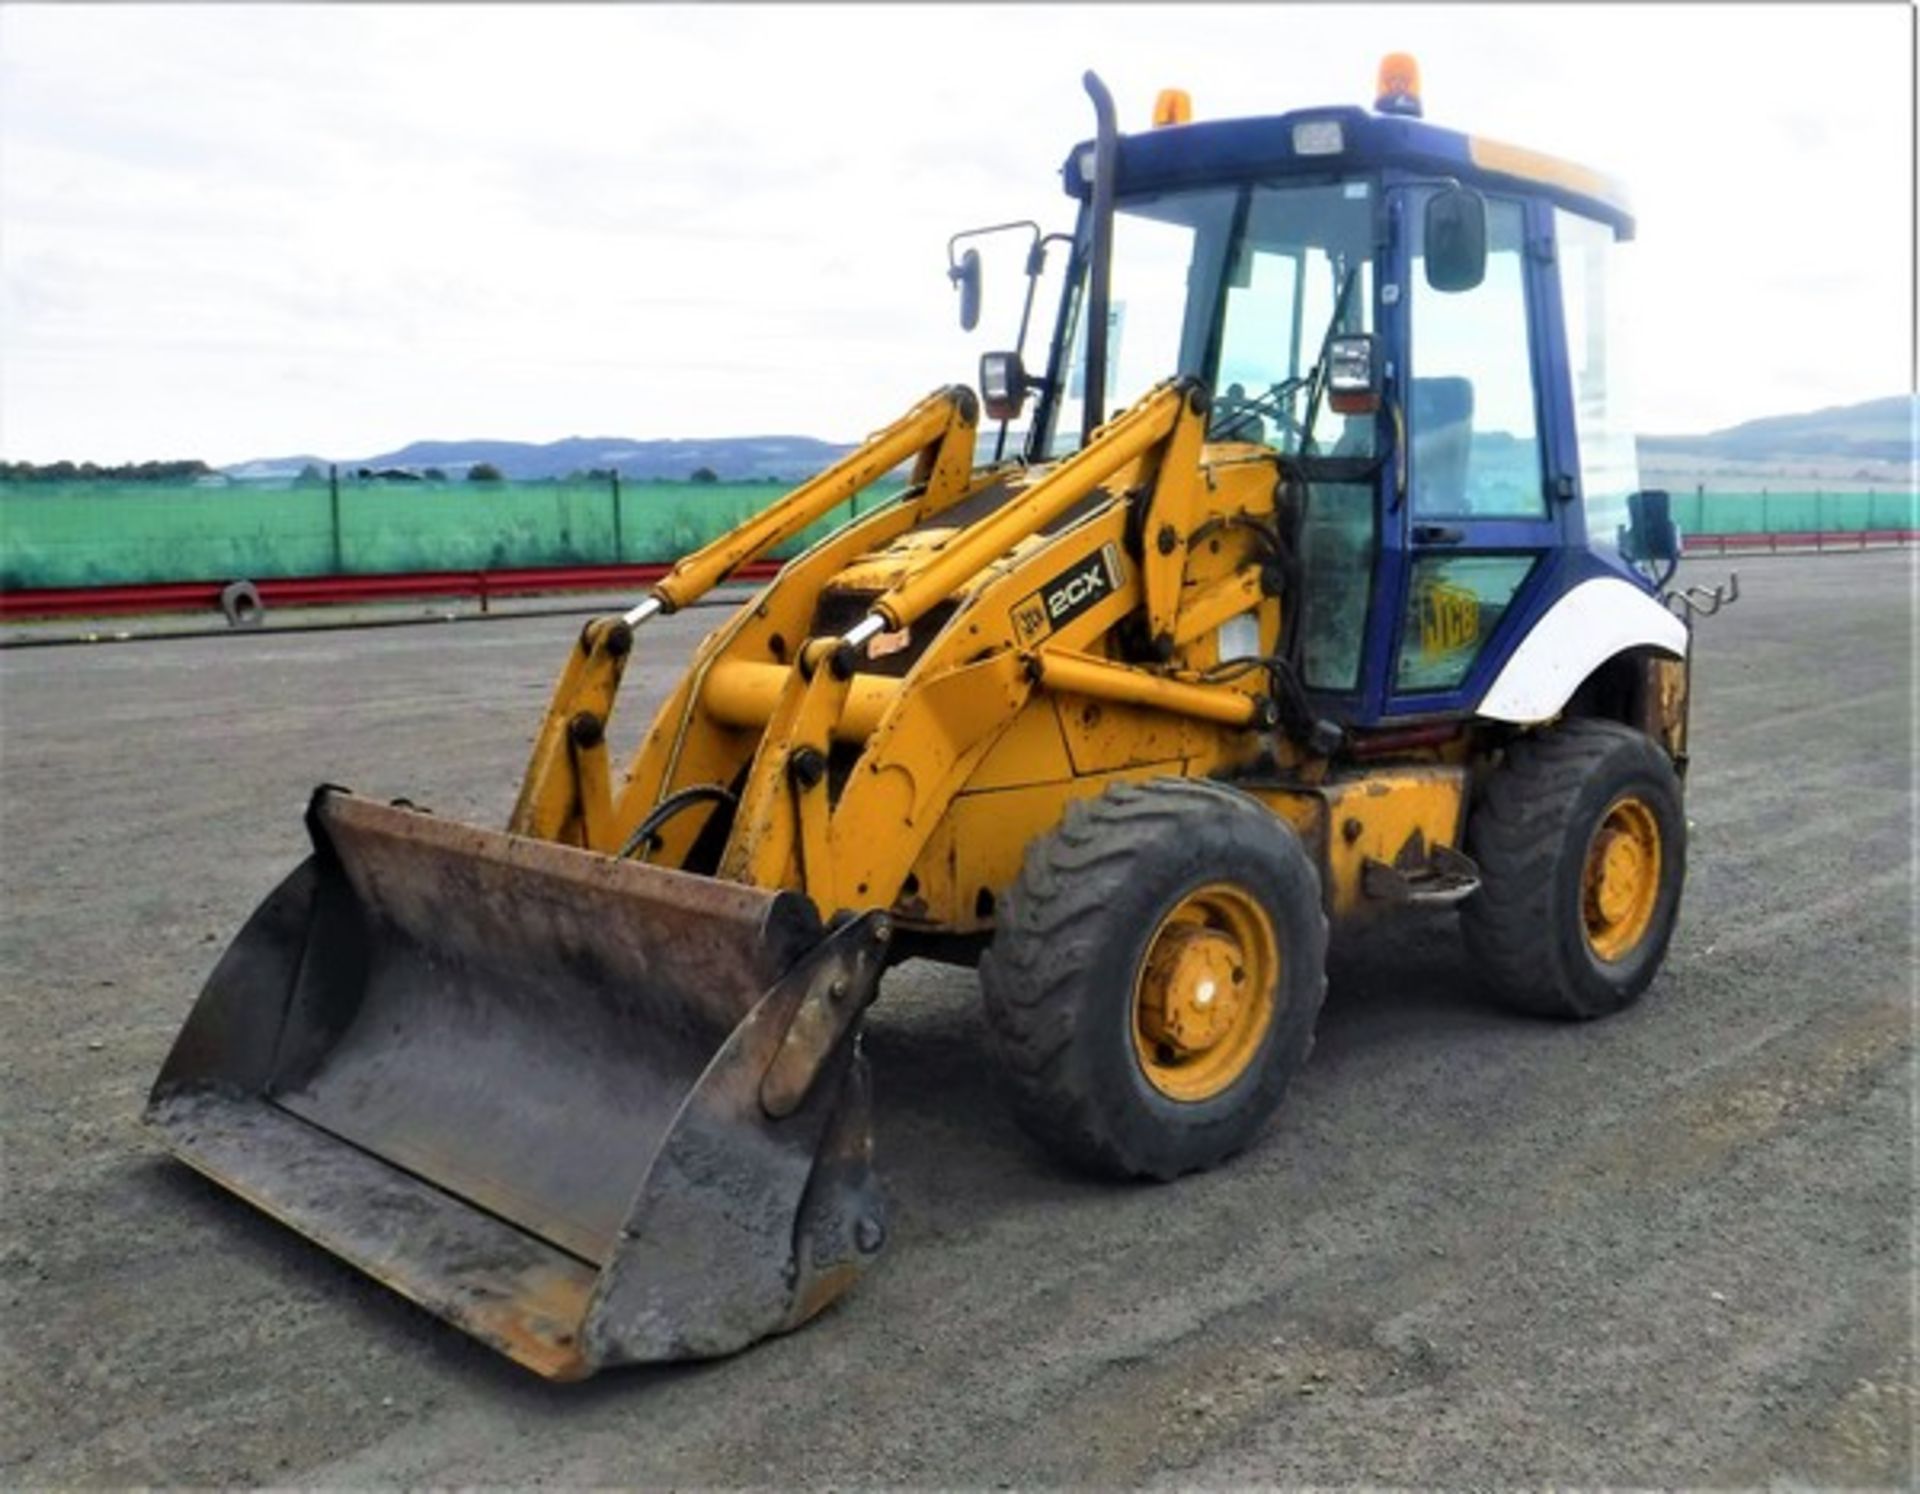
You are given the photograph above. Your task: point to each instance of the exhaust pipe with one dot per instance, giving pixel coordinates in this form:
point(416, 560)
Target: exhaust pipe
point(1106, 145)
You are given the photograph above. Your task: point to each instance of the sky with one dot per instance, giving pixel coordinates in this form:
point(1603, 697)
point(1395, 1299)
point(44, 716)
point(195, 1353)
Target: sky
point(235, 231)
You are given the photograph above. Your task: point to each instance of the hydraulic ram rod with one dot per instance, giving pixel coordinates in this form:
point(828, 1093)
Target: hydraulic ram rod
point(1077, 674)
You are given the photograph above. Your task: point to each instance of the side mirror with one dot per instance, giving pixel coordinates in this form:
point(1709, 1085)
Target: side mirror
point(1353, 375)
point(1650, 533)
point(966, 276)
point(1456, 239)
point(1003, 385)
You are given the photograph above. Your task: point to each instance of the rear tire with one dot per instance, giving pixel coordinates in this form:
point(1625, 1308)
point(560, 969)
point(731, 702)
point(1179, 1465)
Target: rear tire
point(1581, 840)
point(1155, 975)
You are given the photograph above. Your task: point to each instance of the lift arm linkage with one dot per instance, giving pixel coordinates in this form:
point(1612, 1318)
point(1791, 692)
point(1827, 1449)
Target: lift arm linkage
point(1124, 440)
point(567, 793)
point(924, 431)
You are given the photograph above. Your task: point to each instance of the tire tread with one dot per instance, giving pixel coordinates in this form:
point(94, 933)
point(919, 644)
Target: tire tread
point(1032, 975)
point(1517, 833)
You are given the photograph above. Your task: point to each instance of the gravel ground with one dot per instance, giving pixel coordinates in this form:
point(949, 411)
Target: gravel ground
point(1675, 1247)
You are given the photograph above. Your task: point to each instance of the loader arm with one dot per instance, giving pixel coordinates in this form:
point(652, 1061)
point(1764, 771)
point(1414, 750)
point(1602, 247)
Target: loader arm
point(928, 432)
point(733, 775)
point(568, 793)
point(849, 840)
point(1132, 437)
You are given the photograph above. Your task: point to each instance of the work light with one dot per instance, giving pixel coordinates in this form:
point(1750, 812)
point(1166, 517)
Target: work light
point(1003, 385)
point(1352, 387)
point(1318, 137)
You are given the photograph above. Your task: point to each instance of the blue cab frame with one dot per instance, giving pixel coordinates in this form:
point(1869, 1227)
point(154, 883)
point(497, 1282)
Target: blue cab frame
point(1401, 154)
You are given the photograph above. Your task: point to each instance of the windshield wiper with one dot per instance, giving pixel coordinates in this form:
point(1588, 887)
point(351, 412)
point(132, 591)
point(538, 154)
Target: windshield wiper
point(1278, 400)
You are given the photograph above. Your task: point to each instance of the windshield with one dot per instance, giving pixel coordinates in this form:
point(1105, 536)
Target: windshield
point(1241, 286)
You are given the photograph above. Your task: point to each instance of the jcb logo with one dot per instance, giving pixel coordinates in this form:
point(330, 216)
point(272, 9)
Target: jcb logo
point(1449, 619)
point(1068, 594)
point(1030, 619)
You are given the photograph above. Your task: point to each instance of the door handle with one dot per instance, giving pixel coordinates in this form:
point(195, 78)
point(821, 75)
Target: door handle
point(1437, 534)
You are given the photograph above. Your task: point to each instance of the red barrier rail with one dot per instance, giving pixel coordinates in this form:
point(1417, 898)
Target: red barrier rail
point(325, 591)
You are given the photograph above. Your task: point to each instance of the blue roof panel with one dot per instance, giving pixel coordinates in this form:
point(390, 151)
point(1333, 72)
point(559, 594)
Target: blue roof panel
point(1236, 149)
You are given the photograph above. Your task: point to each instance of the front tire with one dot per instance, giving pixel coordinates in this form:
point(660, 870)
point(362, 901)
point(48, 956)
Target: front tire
point(1581, 839)
point(1155, 976)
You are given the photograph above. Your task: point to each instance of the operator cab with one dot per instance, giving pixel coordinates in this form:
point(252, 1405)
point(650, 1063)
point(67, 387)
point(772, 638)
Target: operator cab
point(1423, 326)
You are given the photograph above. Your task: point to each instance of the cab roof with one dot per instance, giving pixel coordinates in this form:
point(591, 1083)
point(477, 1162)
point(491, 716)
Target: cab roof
point(1238, 149)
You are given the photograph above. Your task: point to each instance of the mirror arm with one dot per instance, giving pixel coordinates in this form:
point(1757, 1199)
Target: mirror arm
point(1036, 264)
point(954, 243)
point(1035, 267)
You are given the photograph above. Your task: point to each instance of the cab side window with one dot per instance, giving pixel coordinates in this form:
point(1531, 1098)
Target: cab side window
point(1595, 310)
point(1471, 410)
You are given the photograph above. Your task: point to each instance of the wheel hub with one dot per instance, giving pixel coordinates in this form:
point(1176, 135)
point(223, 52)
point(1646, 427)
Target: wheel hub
point(1203, 997)
point(1194, 989)
point(1621, 882)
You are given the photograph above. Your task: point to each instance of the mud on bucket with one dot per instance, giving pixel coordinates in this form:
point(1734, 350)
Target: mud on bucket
point(590, 1111)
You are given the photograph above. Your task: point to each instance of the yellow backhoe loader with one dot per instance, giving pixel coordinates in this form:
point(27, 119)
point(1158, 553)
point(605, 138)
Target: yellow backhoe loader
point(1349, 602)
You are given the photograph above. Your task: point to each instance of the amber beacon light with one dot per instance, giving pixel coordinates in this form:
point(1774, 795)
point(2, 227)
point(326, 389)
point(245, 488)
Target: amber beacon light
point(1399, 88)
point(1174, 106)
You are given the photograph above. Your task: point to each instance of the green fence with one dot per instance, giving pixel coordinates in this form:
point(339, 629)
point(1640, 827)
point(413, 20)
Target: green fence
point(1768, 512)
point(105, 533)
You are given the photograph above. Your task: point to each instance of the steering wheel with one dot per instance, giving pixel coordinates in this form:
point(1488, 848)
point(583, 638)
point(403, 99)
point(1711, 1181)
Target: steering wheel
point(1236, 415)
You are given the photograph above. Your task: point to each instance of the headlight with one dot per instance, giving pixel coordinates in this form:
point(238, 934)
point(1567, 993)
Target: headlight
point(1353, 385)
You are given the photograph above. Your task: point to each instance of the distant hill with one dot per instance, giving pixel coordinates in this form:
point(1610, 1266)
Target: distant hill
point(1878, 432)
point(274, 467)
point(730, 458)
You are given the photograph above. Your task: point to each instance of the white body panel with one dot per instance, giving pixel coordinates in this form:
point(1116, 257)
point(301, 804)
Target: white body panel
point(1580, 632)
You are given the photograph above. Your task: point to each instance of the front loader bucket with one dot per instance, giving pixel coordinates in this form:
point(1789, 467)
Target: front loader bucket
point(590, 1111)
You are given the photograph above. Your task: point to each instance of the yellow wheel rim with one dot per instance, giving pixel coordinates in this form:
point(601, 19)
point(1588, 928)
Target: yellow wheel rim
point(1621, 882)
point(1204, 997)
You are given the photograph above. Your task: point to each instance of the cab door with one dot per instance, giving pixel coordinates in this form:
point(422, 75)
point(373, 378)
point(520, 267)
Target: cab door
point(1480, 521)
